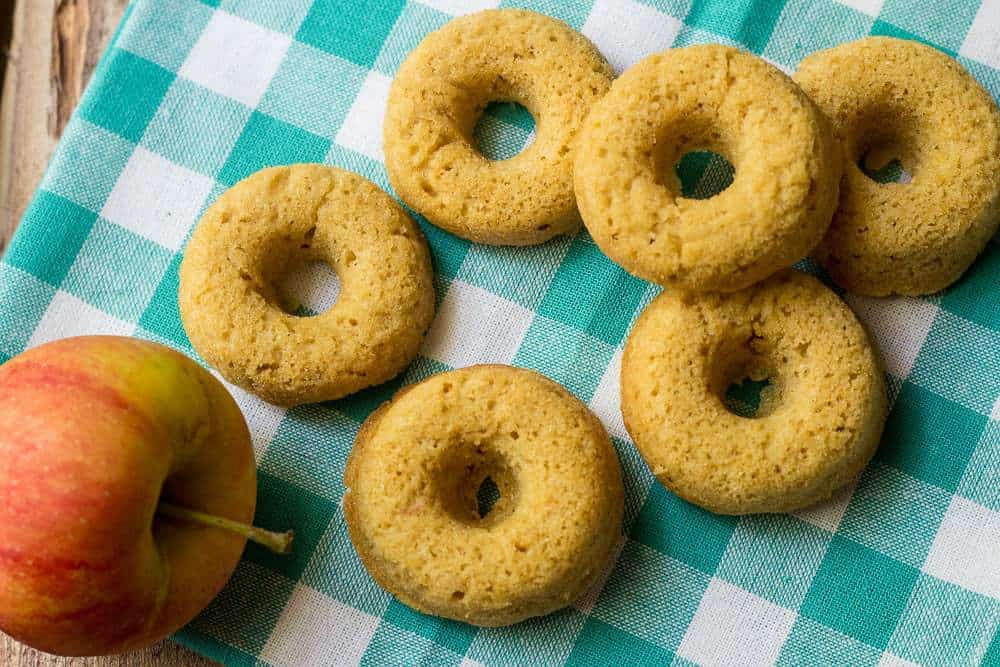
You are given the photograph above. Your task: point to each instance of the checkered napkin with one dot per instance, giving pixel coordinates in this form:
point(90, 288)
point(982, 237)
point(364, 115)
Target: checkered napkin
point(193, 96)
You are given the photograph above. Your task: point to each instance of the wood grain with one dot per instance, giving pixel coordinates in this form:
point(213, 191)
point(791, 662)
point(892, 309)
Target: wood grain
point(54, 48)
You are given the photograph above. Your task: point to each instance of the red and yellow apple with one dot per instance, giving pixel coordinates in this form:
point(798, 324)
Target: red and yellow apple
point(127, 481)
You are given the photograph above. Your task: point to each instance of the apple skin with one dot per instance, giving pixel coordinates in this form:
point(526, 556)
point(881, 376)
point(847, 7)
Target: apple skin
point(92, 431)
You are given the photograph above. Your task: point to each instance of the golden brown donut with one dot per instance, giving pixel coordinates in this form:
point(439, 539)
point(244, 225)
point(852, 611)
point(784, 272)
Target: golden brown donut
point(892, 98)
point(820, 419)
point(411, 483)
point(707, 97)
point(441, 91)
point(253, 235)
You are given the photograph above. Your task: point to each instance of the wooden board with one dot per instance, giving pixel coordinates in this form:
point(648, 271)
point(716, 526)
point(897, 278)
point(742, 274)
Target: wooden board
point(55, 46)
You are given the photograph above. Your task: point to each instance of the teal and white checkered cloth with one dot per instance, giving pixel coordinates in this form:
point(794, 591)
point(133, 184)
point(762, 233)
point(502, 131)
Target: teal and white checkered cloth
point(193, 96)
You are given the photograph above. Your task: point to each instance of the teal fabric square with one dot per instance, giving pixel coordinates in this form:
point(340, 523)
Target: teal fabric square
point(651, 595)
point(894, 514)
point(164, 31)
point(959, 361)
point(313, 90)
point(748, 22)
point(117, 271)
point(812, 643)
point(774, 556)
point(568, 356)
point(636, 478)
point(689, 36)
point(32, 297)
point(676, 8)
point(415, 22)
point(195, 127)
point(453, 635)
point(49, 255)
point(392, 646)
point(162, 316)
point(795, 36)
point(946, 28)
point(205, 644)
point(311, 433)
point(599, 640)
point(587, 276)
point(973, 297)
point(285, 17)
point(674, 527)
point(886, 29)
point(518, 274)
point(859, 592)
point(361, 404)
point(929, 437)
point(128, 93)
point(945, 624)
point(283, 506)
point(992, 656)
point(105, 155)
point(448, 252)
point(547, 639)
point(244, 613)
point(267, 142)
point(336, 571)
point(989, 78)
point(573, 13)
point(981, 481)
point(351, 29)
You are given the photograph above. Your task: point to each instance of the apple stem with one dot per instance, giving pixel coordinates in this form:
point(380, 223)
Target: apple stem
point(279, 543)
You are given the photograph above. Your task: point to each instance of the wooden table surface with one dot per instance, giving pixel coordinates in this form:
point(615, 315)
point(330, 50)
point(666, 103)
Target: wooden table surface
point(55, 45)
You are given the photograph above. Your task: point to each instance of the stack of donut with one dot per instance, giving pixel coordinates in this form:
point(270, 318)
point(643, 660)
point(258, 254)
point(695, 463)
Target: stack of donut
point(604, 154)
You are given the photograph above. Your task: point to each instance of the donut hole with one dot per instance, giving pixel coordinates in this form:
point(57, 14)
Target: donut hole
point(477, 485)
point(703, 174)
point(746, 380)
point(308, 288)
point(692, 160)
point(884, 152)
point(299, 279)
point(503, 130)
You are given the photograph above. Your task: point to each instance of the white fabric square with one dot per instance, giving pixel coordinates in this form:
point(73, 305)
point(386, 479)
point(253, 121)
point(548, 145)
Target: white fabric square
point(899, 326)
point(606, 401)
point(474, 326)
point(586, 602)
point(235, 58)
point(263, 419)
point(893, 660)
point(460, 7)
point(966, 549)
point(827, 515)
point(314, 285)
point(469, 662)
point(68, 316)
point(626, 31)
point(870, 7)
point(362, 129)
point(317, 630)
point(735, 627)
point(982, 42)
point(156, 199)
point(995, 414)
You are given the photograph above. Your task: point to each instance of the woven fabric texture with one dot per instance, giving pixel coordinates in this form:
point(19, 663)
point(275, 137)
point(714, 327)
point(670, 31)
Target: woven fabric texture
point(194, 95)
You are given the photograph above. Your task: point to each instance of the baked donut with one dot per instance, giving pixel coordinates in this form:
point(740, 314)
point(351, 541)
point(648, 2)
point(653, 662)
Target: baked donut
point(716, 98)
point(894, 98)
point(411, 496)
point(820, 419)
point(441, 90)
point(255, 233)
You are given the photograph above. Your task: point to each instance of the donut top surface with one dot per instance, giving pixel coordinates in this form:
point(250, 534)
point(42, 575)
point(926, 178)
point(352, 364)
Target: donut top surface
point(249, 239)
point(413, 476)
point(819, 420)
point(706, 97)
point(439, 94)
point(892, 98)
